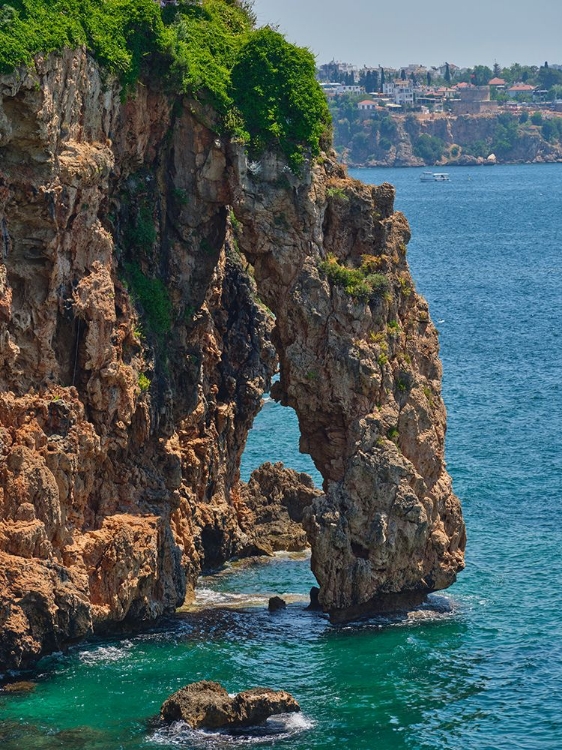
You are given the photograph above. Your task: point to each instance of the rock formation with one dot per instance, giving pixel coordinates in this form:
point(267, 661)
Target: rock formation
point(360, 366)
point(207, 705)
point(133, 357)
point(273, 504)
point(134, 351)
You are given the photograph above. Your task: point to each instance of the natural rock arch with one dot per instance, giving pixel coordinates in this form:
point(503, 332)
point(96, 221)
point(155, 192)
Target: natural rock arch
point(360, 366)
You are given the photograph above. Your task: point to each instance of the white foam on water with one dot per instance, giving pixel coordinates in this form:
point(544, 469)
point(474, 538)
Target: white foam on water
point(437, 608)
point(106, 654)
point(206, 598)
point(210, 598)
point(279, 727)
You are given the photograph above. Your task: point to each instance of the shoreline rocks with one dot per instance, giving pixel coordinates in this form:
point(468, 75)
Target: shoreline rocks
point(207, 705)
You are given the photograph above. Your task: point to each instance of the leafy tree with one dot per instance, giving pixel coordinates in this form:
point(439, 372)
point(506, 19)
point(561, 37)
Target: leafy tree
point(371, 81)
point(388, 127)
point(536, 118)
point(481, 74)
point(207, 40)
point(274, 87)
point(549, 130)
point(382, 79)
point(447, 75)
point(549, 77)
point(403, 74)
point(359, 146)
point(429, 148)
point(505, 135)
point(497, 70)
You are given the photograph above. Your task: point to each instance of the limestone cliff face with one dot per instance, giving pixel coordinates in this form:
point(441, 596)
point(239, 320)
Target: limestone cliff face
point(134, 353)
point(365, 380)
point(119, 441)
point(463, 131)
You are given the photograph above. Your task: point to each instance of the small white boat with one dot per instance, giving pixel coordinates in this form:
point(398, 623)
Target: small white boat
point(434, 177)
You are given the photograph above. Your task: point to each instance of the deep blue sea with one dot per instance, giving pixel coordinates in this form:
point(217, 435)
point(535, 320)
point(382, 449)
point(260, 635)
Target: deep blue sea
point(485, 673)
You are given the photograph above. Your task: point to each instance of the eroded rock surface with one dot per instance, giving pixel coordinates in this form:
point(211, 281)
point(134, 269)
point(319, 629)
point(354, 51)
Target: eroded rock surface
point(362, 372)
point(133, 356)
point(134, 350)
point(207, 705)
point(274, 503)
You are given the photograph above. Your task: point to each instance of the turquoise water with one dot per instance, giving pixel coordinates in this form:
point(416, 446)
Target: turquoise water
point(482, 668)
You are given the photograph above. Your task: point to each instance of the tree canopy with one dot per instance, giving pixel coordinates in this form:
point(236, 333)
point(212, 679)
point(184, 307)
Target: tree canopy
point(275, 89)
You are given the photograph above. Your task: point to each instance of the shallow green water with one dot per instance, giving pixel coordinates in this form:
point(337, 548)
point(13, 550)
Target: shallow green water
point(482, 669)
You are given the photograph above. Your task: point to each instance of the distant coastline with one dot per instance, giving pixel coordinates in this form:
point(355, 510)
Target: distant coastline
point(414, 140)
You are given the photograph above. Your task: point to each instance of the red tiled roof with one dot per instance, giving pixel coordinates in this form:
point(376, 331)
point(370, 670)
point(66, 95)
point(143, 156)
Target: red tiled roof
point(496, 82)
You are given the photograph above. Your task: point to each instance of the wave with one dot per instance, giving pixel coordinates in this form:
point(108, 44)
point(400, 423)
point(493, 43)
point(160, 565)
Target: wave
point(280, 727)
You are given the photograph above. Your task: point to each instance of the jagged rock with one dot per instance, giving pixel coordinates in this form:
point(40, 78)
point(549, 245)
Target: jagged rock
point(314, 599)
point(362, 372)
point(118, 467)
point(207, 705)
point(121, 435)
point(274, 502)
point(276, 603)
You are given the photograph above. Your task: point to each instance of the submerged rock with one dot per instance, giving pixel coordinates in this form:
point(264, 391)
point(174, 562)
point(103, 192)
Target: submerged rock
point(22, 686)
point(207, 705)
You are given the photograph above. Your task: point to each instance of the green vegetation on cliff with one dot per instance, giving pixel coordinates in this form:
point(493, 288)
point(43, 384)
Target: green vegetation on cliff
point(363, 283)
point(118, 32)
point(264, 87)
point(273, 84)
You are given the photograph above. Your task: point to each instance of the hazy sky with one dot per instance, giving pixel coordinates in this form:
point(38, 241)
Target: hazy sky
point(398, 33)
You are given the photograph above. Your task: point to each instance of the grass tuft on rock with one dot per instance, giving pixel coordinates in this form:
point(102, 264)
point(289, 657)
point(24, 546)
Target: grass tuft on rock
point(360, 282)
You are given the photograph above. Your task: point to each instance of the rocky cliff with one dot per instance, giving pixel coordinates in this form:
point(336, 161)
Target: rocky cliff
point(413, 141)
point(135, 348)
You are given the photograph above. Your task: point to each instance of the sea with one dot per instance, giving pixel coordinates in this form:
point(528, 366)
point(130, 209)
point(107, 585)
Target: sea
point(479, 667)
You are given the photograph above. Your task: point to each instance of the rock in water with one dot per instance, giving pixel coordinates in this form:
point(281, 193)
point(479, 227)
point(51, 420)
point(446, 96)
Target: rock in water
point(256, 705)
point(276, 603)
point(200, 704)
point(314, 599)
point(207, 705)
point(274, 502)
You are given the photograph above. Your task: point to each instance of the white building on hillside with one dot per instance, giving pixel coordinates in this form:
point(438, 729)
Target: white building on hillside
point(401, 92)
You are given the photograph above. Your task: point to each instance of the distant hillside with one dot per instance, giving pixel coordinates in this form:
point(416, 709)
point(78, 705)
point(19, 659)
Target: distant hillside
point(379, 138)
